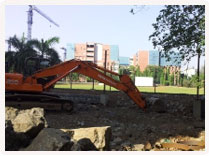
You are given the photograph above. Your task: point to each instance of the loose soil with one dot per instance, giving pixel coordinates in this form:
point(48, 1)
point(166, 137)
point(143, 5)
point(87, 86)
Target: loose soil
point(130, 124)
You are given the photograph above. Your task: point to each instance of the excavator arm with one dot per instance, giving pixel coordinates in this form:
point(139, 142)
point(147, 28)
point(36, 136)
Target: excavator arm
point(91, 70)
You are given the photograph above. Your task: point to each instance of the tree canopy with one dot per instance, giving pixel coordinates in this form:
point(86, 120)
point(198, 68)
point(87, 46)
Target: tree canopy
point(180, 28)
point(22, 49)
point(46, 50)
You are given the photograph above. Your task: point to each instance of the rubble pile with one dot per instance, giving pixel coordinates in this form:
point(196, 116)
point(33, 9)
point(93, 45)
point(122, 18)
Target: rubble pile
point(27, 130)
point(166, 125)
point(22, 126)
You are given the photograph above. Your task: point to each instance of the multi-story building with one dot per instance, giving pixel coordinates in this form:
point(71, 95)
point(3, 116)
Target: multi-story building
point(114, 57)
point(141, 59)
point(131, 61)
point(124, 61)
point(154, 58)
point(70, 51)
point(95, 52)
point(144, 58)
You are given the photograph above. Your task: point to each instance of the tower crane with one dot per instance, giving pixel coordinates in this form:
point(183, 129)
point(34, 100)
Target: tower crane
point(30, 19)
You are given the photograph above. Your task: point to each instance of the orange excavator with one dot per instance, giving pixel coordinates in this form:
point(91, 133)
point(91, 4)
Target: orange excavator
point(22, 91)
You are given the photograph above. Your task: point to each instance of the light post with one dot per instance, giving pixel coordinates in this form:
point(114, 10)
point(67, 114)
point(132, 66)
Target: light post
point(198, 71)
point(112, 68)
point(64, 58)
point(204, 78)
point(105, 64)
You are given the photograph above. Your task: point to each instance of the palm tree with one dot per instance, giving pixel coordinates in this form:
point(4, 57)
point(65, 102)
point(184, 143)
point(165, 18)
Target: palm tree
point(46, 50)
point(9, 59)
point(22, 49)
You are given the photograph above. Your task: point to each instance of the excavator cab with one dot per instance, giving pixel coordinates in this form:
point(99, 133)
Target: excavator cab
point(34, 64)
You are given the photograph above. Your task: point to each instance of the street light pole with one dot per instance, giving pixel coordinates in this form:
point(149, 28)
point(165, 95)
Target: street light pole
point(198, 72)
point(64, 59)
point(110, 75)
point(204, 78)
point(105, 68)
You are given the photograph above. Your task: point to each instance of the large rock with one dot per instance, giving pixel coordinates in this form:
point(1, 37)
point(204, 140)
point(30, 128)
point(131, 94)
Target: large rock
point(13, 140)
point(30, 121)
point(10, 113)
point(99, 136)
point(84, 144)
point(50, 139)
point(21, 126)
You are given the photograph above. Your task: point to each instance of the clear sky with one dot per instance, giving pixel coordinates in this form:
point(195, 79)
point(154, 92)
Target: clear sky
point(110, 24)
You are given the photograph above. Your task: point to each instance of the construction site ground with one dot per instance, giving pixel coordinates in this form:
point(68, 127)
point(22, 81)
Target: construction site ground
point(131, 126)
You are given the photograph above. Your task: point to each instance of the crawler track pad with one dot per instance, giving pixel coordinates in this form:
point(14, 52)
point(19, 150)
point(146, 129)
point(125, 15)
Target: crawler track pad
point(48, 102)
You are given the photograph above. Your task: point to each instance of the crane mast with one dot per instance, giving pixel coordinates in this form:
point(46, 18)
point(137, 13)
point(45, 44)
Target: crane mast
point(30, 19)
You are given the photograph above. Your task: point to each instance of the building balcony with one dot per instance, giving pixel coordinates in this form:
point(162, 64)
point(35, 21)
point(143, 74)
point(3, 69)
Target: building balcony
point(90, 54)
point(89, 49)
point(90, 59)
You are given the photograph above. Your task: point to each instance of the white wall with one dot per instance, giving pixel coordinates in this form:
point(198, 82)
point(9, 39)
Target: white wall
point(98, 52)
point(189, 72)
point(144, 81)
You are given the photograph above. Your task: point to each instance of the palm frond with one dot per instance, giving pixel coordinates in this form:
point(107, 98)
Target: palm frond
point(52, 41)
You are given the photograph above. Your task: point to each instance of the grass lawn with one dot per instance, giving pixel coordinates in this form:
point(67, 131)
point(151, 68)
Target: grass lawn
point(159, 89)
point(171, 89)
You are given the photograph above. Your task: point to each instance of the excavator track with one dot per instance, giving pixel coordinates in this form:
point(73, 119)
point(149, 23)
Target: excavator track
point(46, 101)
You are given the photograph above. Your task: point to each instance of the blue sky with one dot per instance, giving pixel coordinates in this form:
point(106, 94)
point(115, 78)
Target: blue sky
point(107, 24)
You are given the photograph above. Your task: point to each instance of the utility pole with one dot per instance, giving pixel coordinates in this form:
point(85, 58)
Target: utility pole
point(111, 76)
point(71, 80)
point(204, 78)
point(93, 79)
point(92, 84)
point(155, 77)
point(134, 75)
point(198, 72)
point(105, 68)
point(64, 58)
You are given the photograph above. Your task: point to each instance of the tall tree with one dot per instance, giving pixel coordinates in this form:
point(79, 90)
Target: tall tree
point(171, 79)
point(46, 50)
point(180, 28)
point(162, 78)
point(138, 73)
point(21, 50)
point(132, 70)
